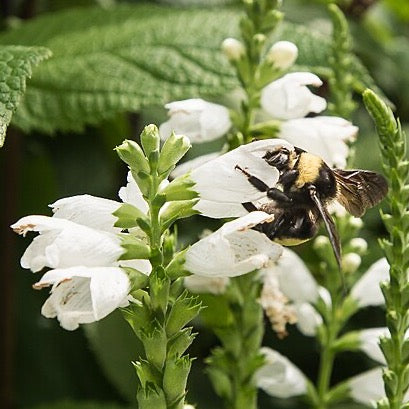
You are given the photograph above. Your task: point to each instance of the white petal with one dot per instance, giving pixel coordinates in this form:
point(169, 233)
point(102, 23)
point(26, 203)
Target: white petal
point(144, 266)
point(367, 387)
point(233, 250)
point(323, 136)
point(219, 180)
point(289, 98)
point(193, 164)
point(366, 290)
point(88, 210)
point(369, 339)
point(82, 295)
point(197, 119)
point(132, 194)
point(279, 377)
point(308, 319)
point(62, 243)
point(218, 210)
point(291, 272)
point(200, 284)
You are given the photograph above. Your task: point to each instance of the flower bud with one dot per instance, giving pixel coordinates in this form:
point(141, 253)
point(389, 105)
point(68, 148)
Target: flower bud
point(351, 262)
point(356, 222)
point(233, 49)
point(359, 245)
point(282, 54)
point(320, 242)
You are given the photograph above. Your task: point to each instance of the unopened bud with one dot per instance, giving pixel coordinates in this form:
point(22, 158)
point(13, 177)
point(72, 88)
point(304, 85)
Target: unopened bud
point(320, 242)
point(351, 262)
point(359, 245)
point(356, 222)
point(259, 39)
point(233, 49)
point(282, 54)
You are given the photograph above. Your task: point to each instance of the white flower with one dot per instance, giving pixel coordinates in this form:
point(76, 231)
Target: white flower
point(282, 54)
point(323, 136)
point(368, 387)
point(233, 49)
point(222, 187)
point(369, 343)
point(233, 250)
point(81, 295)
point(292, 271)
point(366, 290)
point(189, 165)
point(197, 119)
point(308, 319)
point(62, 244)
point(289, 97)
point(279, 377)
point(201, 284)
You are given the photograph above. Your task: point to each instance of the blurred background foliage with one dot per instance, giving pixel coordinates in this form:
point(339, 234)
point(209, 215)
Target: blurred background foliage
point(114, 64)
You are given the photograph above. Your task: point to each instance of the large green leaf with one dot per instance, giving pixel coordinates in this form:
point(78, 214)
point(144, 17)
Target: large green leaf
point(133, 56)
point(16, 64)
point(108, 61)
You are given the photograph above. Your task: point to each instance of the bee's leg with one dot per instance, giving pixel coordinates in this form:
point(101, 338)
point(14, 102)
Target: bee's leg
point(250, 207)
point(289, 177)
point(255, 181)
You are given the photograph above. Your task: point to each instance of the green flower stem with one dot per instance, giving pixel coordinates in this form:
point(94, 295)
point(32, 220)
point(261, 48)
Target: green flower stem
point(161, 311)
point(396, 247)
point(232, 366)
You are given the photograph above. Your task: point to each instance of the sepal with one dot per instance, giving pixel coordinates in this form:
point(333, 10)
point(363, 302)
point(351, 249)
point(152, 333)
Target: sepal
point(155, 344)
point(172, 151)
point(185, 308)
point(151, 397)
point(174, 211)
point(159, 285)
point(175, 268)
point(180, 342)
point(180, 188)
point(134, 248)
point(175, 378)
point(130, 216)
point(137, 278)
point(347, 342)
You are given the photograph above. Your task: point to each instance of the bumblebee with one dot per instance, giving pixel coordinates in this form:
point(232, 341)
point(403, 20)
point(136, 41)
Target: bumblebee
point(307, 186)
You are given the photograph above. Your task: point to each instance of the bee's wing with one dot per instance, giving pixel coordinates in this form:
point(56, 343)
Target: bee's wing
point(329, 225)
point(359, 190)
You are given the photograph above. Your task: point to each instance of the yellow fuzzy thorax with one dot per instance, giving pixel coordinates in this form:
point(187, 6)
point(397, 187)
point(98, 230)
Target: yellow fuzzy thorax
point(309, 167)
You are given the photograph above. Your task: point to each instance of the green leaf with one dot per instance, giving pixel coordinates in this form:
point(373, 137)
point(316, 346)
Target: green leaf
point(130, 57)
point(16, 64)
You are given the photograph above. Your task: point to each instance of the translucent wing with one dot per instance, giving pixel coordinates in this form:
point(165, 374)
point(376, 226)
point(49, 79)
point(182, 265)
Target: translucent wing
point(359, 190)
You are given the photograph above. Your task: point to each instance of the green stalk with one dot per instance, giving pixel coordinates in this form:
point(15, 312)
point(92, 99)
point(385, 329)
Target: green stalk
point(232, 366)
point(396, 248)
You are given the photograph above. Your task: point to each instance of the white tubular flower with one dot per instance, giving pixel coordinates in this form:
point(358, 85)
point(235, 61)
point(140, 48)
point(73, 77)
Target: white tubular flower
point(81, 295)
point(62, 244)
point(369, 343)
point(189, 165)
point(324, 136)
point(308, 319)
point(91, 211)
point(289, 97)
point(199, 120)
point(211, 285)
point(282, 54)
point(222, 187)
point(279, 377)
point(292, 271)
point(368, 387)
point(233, 250)
point(366, 290)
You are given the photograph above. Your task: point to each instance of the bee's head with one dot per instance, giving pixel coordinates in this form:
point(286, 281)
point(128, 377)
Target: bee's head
point(281, 158)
